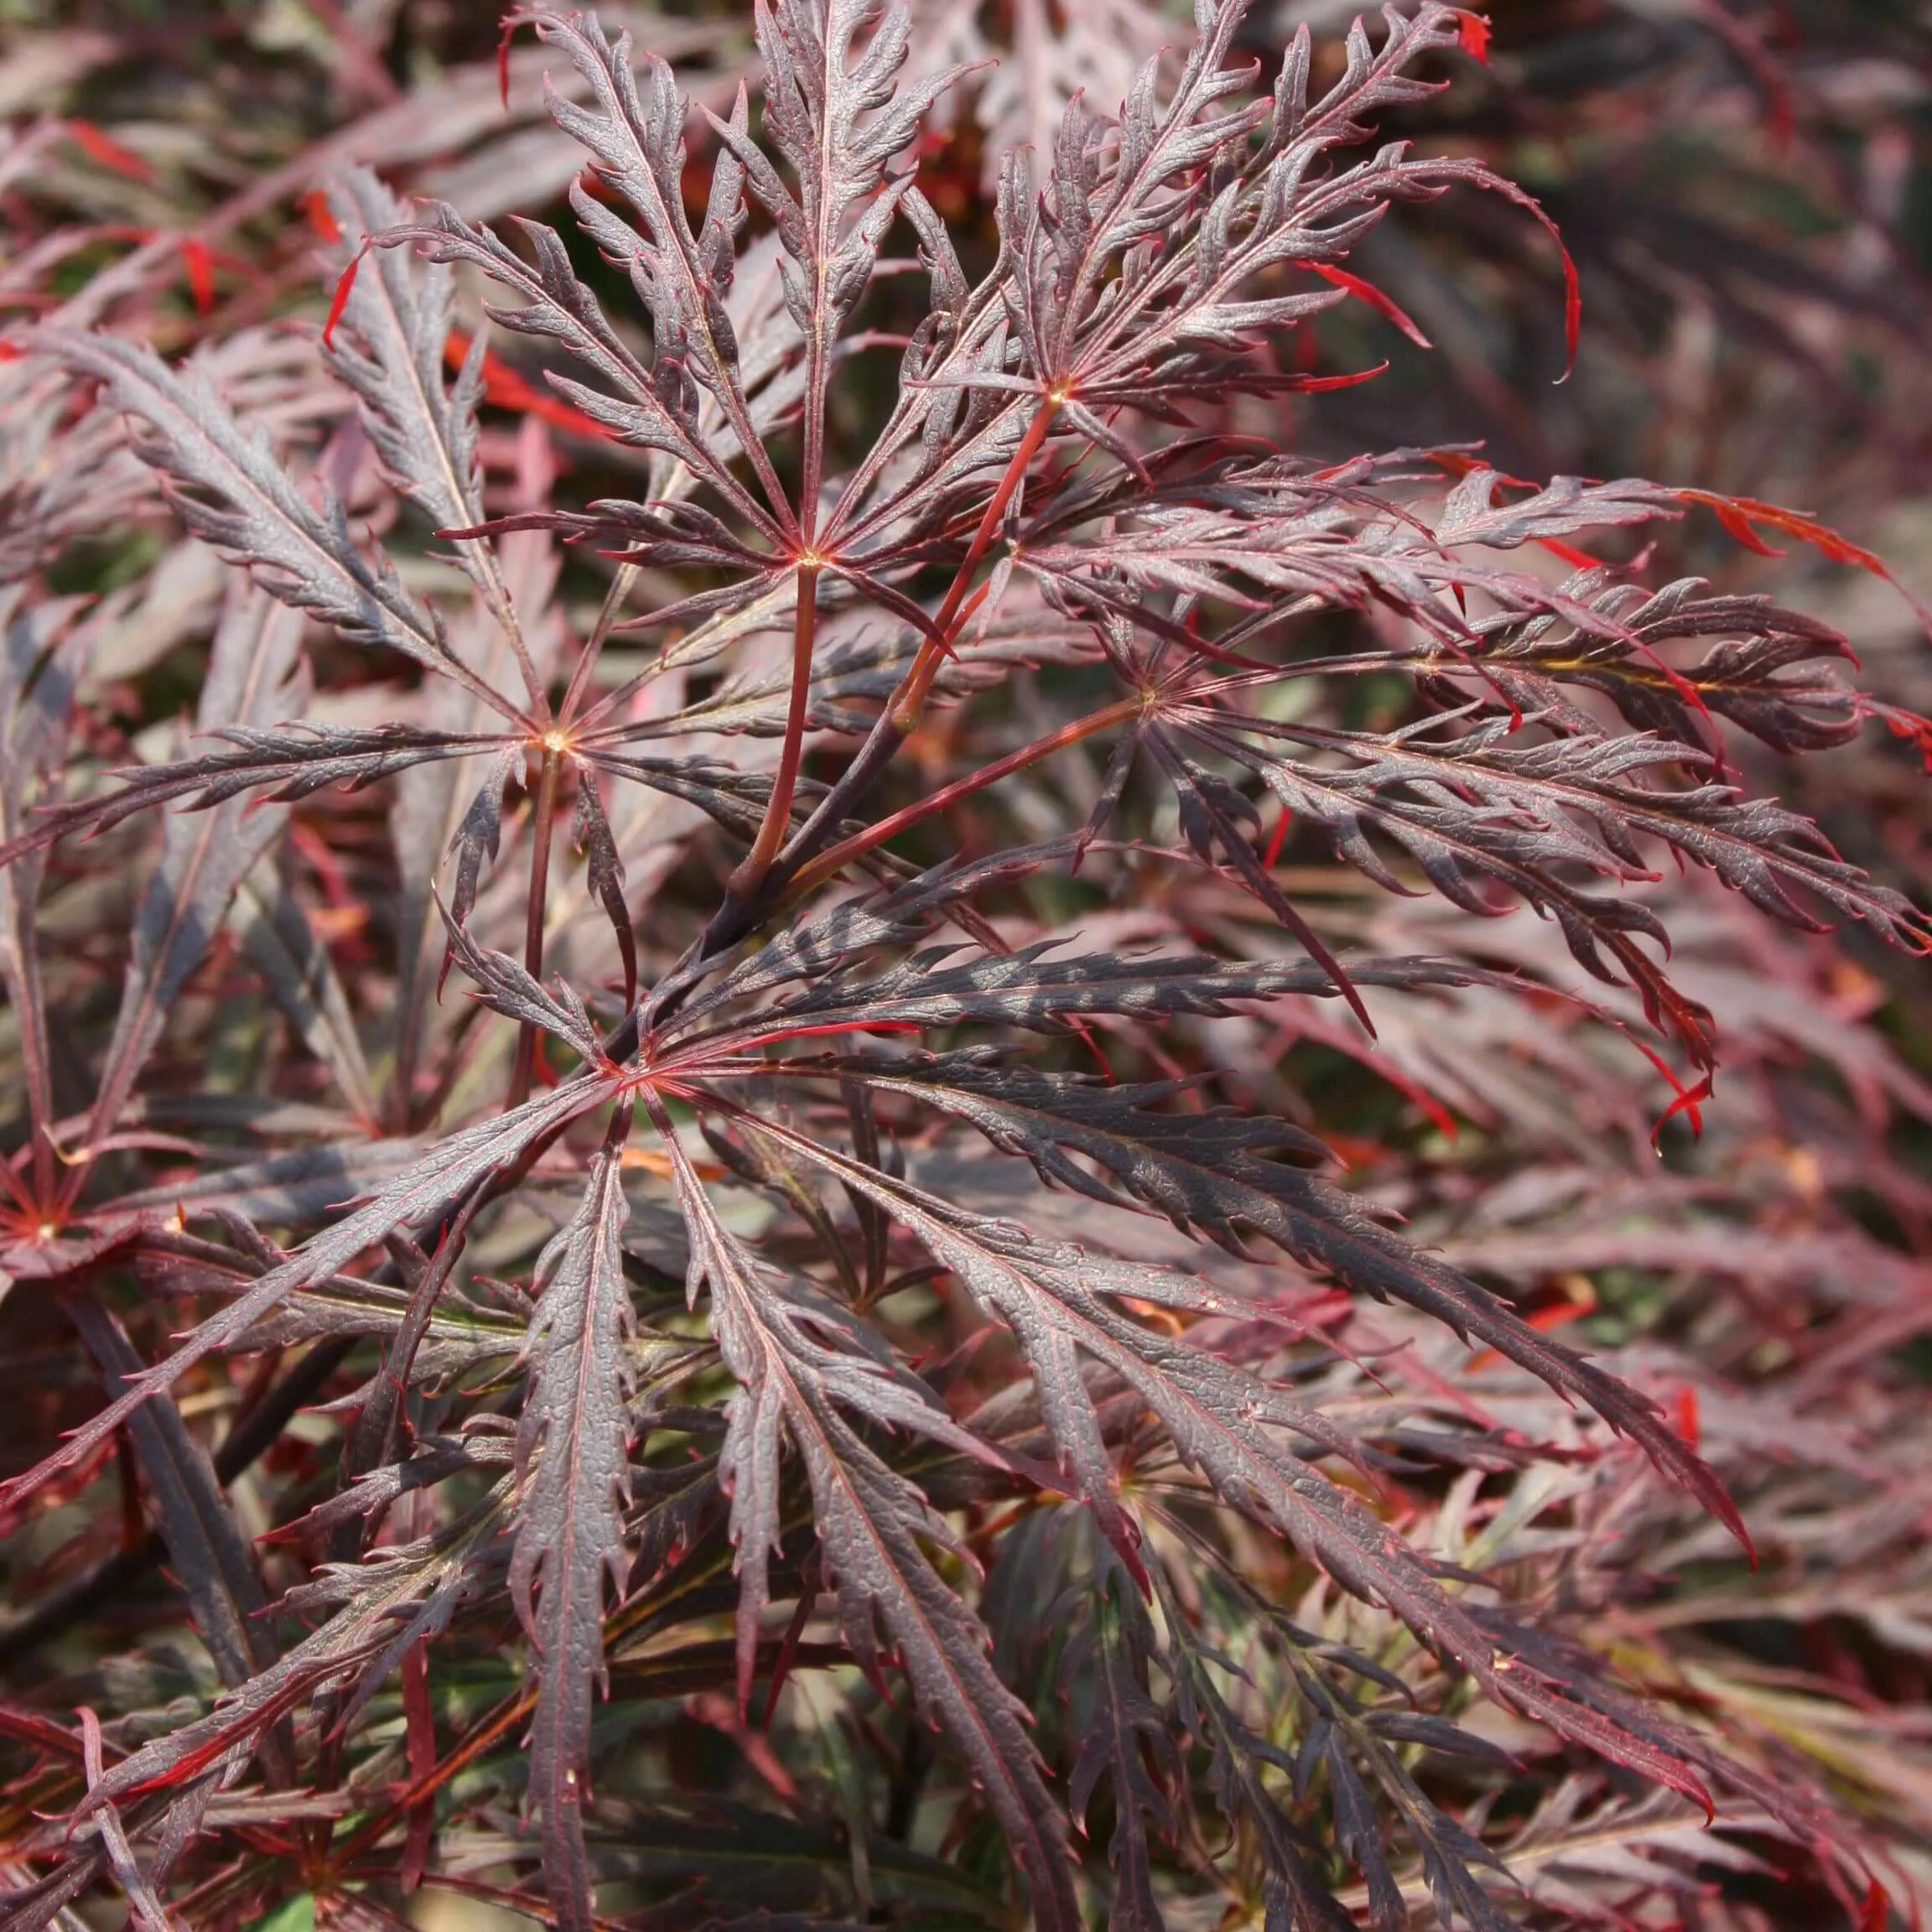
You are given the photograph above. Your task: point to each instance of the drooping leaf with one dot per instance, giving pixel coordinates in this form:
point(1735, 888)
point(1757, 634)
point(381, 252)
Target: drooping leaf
point(573, 1454)
point(1110, 1649)
point(282, 944)
point(38, 674)
point(1219, 1173)
point(208, 1551)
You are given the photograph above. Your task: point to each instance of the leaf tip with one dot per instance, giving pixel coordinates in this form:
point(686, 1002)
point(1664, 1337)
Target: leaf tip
point(344, 288)
point(321, 216)
point(199, 260)
point(1473, 31)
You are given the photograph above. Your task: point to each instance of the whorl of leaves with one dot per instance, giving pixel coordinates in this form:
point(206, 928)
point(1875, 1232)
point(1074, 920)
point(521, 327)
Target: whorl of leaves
point(758, 1104)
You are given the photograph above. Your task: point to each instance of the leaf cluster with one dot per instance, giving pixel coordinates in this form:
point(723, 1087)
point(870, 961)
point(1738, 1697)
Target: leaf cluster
point(710, 1200)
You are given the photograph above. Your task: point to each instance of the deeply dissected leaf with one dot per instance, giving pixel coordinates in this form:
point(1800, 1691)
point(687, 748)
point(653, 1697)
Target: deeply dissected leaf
point(423, 1192)
point(232, 489)
point(1220, 1173)
point(604, 875)
point(284, 764)
point(870, 1523)
point(38, 676)
point(1769, 675)
point(651, 409)
point(207, 1547)
point(390, 351)
point(1112, 1648)
point(507, 988)
point(280, 940)
point(1031, 989)
point(1221, 1419)
point(390, 1601)
point(929, 530)
point(1526, 801)
point(571, 1449)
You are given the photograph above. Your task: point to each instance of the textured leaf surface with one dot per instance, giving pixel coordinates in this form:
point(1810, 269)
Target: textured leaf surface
point(232, 489)
point(205, 858)
point(1218, 1173)
point(572, 1443)
point(845, 650)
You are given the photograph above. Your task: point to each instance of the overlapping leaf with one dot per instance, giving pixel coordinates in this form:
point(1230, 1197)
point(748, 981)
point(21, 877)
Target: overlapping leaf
point(1219, 1173)
point(869, 1523)
point(1227, 1437)
point(231, 487)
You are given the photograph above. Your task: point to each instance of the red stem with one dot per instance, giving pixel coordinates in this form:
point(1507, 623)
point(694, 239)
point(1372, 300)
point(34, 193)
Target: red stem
point(829, 862)
point(909, 699)
point(750, 874)
point(895, 725)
